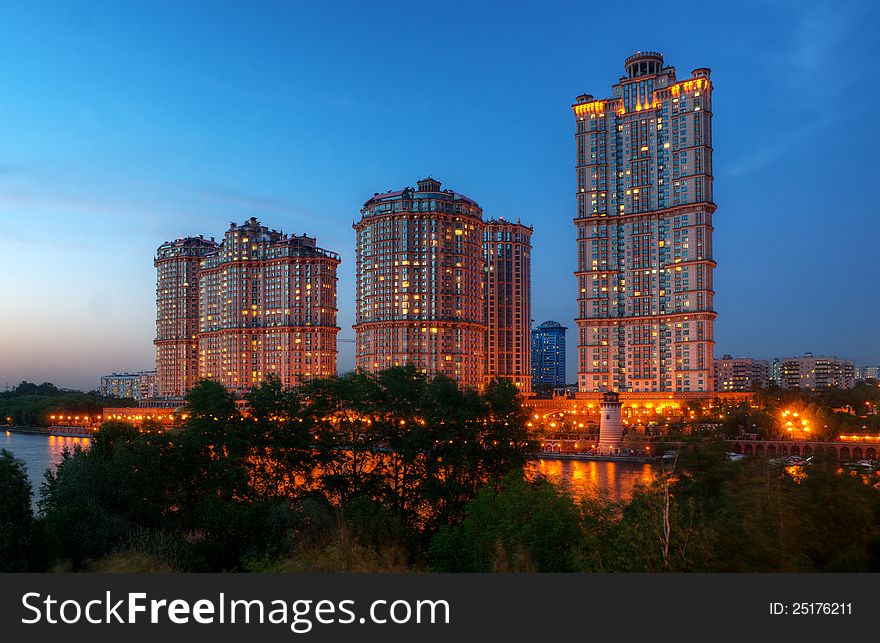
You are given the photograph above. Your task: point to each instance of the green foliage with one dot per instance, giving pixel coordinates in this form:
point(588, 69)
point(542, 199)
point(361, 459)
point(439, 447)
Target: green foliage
point(30, 404)
point(521, 527)
point(17, 533)
point(393, 472)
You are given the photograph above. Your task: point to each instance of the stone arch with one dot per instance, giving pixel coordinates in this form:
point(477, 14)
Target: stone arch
point(795, 450)
point(870, 453)
point(857, 453)
point(844, 453)
point(737, 448)
point(759, 450)
point(832, 452)
point(771, 450)
point(783, 450)
point(748, 450)
point(808, 451)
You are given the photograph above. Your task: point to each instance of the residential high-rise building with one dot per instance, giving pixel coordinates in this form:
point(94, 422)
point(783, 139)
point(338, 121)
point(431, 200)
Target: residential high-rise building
point(870, 373)
point(267, 305)
point(420, 297)
point(548, 355)
point(507, 250)
point(816, 372)
point(148, 385)
point(259, 303)
point(120, 385)
point(136, 386)
point(776, 372)
point(644, 220)
point(741, 374)
point(177, 313)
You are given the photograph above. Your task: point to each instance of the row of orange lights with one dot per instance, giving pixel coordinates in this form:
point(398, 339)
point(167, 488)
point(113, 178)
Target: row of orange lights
point(601, 106)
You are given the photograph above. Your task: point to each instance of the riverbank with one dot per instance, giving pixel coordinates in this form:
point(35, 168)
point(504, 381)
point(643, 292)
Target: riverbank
point(26, 429)
point(58, 431)
point(597, 457)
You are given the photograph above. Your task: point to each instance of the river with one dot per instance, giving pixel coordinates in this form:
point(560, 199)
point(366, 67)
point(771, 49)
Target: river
point(580, 478)
point(583, 478)
point(39, 452)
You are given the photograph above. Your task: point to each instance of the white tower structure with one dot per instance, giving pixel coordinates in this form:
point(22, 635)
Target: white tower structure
point(610, 425)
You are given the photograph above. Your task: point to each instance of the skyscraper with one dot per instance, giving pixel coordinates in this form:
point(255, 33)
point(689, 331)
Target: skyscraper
point(177, 313)
point(548, 355)
point(259, 303)
point(267, 305)
point(507, 250)
point(644, 220)
point(420, 299)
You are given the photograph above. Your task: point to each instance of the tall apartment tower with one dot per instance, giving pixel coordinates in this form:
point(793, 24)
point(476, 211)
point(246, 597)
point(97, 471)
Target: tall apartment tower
point(548, 354)
point(260, 302)
point(644, 221)
point(507, 251)
point(267, 305)
point(177, 313)
point(420, 299)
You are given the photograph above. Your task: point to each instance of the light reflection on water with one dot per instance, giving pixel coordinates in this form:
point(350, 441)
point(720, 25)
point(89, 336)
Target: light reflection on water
point(582, 478)
point(39, 452)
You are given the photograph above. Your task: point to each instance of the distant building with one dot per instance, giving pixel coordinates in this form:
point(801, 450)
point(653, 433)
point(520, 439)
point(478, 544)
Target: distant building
point(869, 373)
point(148, 385)
point(548, 354)
point(135, 386)
point(816, 372)
point(507, 251)
point(776, 372)
point(741, 374)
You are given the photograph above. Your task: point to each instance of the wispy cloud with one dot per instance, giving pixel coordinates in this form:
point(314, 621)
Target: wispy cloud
point(805, 64)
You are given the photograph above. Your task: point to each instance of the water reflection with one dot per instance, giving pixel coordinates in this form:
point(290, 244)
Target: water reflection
point(582, 478)
point(39, 452)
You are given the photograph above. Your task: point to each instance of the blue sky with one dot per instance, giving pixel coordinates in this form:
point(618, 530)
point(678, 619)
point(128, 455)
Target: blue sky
point(123, 125)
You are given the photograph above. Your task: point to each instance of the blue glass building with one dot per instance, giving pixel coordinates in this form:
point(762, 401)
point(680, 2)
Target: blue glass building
point(548, 354)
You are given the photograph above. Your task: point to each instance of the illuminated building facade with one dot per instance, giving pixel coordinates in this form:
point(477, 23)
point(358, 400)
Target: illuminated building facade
point(741, 374)
point(259, 303)
point(507, 251)
point(610, 423)
point(148, 385)
point(121, 385)
point(267, 305)
point(420, 300)
point(136, 386)
point(776, 371)
point(816, 372)
point(548, 355)
point(177, 313)
point(644, 220)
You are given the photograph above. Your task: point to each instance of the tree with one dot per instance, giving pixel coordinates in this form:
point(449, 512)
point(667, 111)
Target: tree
point(16, 517)
point(523, 526)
